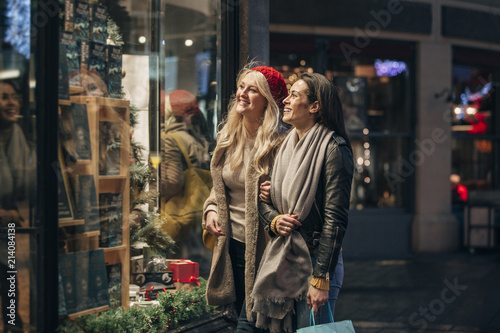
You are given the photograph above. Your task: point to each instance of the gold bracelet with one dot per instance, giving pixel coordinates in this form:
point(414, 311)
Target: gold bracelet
point(273, 224)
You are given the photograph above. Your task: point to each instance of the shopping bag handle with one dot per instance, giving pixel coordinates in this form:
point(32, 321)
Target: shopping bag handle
point(312, 321)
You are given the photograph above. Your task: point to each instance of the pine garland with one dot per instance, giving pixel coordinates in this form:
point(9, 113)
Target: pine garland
point(114, 33)
point(174, 310)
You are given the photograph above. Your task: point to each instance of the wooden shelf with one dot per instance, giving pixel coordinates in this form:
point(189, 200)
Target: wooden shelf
point(100, 109)
point(75, 90)
point(70, 223)
point(91, 233)
point(64, 102)
point(114, 249)
point(75, 315)
point(113, 178)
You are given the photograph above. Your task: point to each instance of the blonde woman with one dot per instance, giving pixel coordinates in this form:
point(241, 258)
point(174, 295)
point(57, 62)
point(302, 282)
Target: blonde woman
point(243, 157)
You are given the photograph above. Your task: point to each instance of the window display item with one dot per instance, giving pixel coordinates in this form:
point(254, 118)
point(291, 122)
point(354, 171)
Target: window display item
point(115, 285)
point(63, 88)
point(93, 56)
point(98, 23)
point(185, 271)
point(69, 15)
point(98, 286)
point(114, 70)
point(111, 223)
point(87, 203)
point(81, 131)
point(72, 59)
point(109, 147)
point(67, 271)
point(82, 280)
point(82, 23)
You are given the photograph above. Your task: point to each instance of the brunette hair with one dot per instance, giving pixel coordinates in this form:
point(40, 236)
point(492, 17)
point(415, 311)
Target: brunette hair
point(326, 94)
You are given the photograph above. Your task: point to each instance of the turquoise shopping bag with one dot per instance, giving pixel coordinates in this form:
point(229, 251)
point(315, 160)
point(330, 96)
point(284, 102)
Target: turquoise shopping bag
point(344, 326)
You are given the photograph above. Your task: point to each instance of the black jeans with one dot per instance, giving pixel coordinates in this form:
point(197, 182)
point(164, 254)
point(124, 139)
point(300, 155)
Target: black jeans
point(237, 254)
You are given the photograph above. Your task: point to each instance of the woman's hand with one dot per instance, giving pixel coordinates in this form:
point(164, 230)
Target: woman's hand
point(265, 191)
point(286, 224)
point(316, 298)
point(212, 226)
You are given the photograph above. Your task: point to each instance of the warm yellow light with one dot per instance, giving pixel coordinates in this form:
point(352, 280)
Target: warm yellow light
point(155, 160)
point(360, 160)
point(457, 110)
point(471, 110)
point(142, 39)
point(302, 63)
point(188, 42)
point(366, 145)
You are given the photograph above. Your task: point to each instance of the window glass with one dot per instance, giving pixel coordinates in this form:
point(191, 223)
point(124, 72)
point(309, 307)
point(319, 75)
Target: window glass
point(475, 135)
point(138, 107)
point(17, 168)
point(382, 173)
point(376, 100)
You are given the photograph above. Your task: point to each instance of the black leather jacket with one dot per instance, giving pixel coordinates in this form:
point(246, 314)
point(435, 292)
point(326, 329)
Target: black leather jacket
point(324, 227)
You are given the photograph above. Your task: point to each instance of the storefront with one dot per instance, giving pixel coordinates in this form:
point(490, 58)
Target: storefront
point(86, 167)
point(86, 142)
point(418, 81)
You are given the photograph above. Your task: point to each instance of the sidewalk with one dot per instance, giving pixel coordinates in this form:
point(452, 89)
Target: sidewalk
point(428, 293)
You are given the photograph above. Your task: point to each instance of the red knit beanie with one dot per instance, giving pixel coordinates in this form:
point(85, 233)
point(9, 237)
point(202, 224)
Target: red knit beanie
point(276, 83)
point(184, 103)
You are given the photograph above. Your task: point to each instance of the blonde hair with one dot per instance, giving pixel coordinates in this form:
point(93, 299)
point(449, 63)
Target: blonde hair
point(270, 134)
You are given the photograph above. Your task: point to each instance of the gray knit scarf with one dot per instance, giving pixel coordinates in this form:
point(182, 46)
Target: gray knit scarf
point(286, 266)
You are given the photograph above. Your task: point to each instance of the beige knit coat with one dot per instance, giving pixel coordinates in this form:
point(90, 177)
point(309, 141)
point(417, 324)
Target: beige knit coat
point(220, 287)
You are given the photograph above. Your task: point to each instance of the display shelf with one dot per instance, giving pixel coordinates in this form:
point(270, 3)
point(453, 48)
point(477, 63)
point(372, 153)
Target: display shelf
point(75, 315)
point(70, 223)
point(73, 90)
point(99, 111)
point(64, 102)
point(103, 178)
point(119, 248)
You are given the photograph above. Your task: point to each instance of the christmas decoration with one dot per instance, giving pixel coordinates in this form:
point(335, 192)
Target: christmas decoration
point(114, 36)
point(144, 224)
point(173, 310)
point(18, 31)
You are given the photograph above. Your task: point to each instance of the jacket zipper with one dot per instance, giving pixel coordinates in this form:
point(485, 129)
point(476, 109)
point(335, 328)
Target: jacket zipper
point(327, 277)
point(330, 260)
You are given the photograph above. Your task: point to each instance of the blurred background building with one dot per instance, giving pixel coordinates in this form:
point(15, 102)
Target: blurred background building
point(419, 81)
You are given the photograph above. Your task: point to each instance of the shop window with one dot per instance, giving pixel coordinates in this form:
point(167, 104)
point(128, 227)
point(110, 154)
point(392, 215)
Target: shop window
point(138, 105)
point(376, 102)
point(475, 134)
point(18, 169)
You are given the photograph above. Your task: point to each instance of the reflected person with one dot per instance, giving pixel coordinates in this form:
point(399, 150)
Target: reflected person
point(184, 119)
point(17, 167)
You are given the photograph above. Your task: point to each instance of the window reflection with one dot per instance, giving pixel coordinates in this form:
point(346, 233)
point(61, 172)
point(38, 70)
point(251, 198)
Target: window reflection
point(472, 108)
point(17, 194)
point(375, 99)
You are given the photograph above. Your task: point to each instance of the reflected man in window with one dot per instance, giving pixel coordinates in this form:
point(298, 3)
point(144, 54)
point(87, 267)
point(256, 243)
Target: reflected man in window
point(184, 119)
